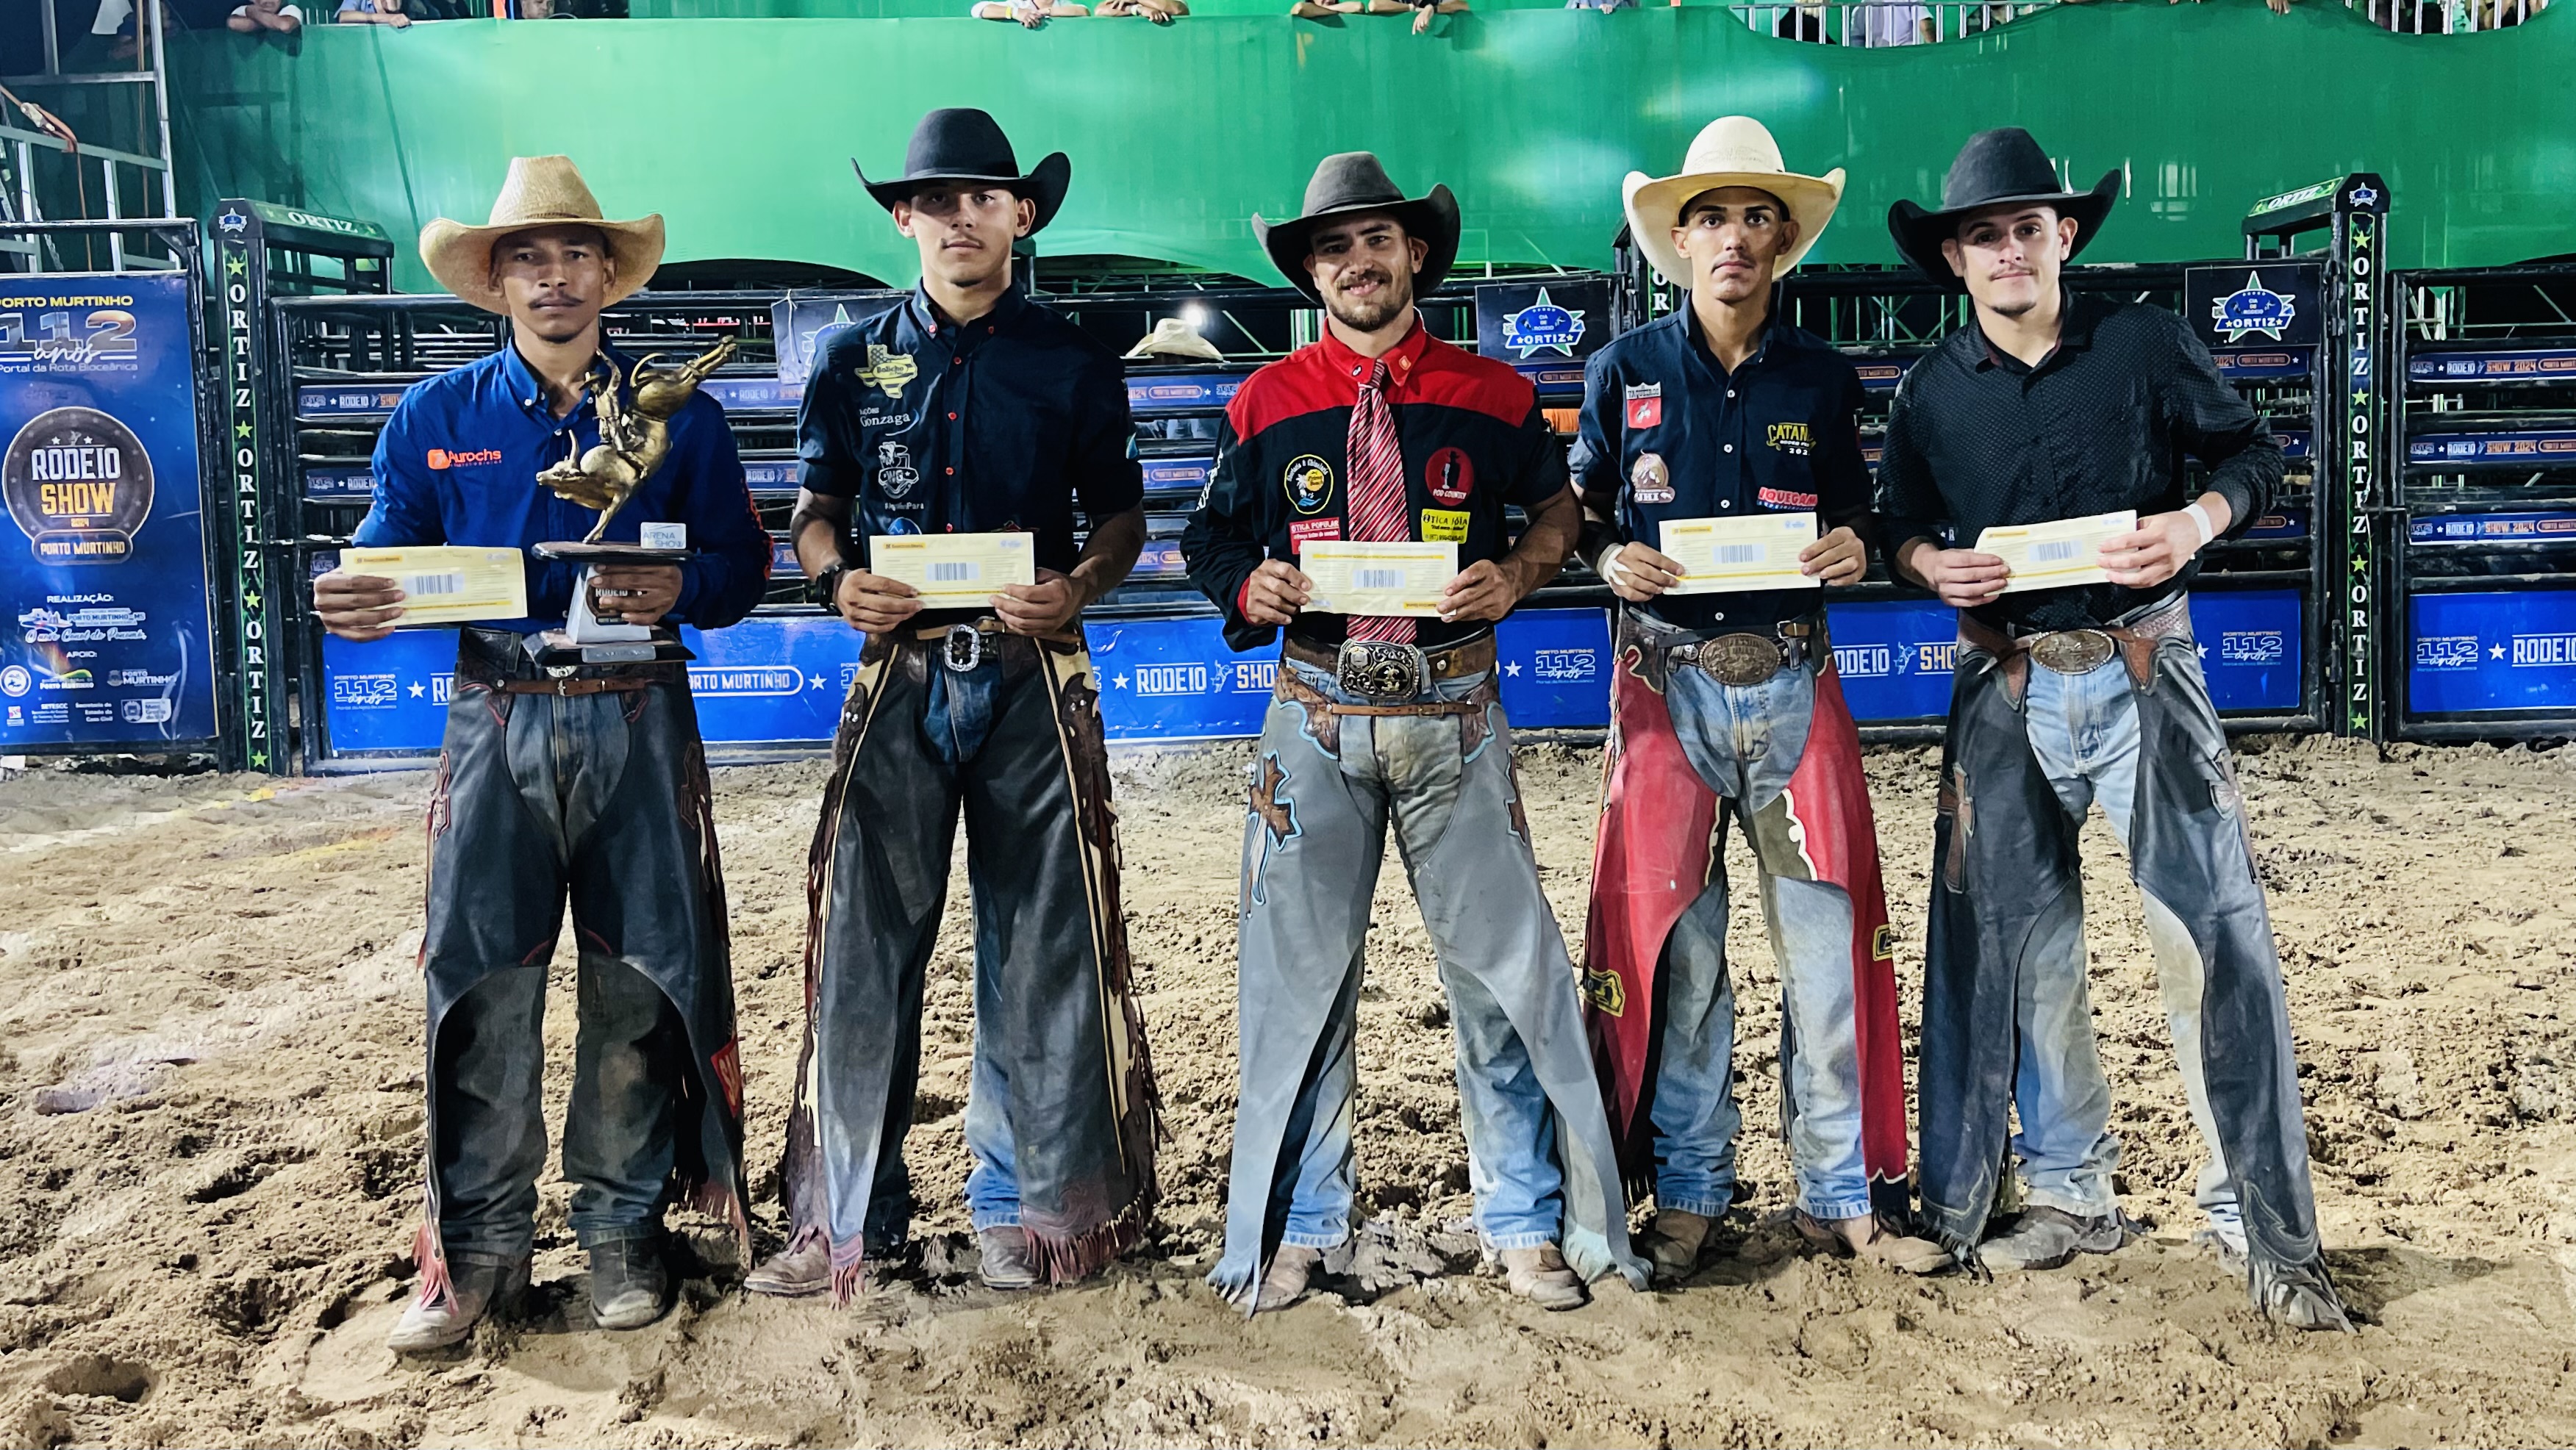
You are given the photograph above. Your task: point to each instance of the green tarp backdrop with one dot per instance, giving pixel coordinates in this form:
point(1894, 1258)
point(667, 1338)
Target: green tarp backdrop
point(740, 131)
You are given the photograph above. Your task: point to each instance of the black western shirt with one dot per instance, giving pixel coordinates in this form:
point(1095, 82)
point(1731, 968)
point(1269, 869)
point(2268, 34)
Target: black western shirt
point(997, 425)
point(1670, 434)
point(1472, 437)
point(1976, 439)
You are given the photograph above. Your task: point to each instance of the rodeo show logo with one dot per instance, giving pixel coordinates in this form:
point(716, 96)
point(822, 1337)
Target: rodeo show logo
point(1542, 327)
point(78, 484)
point(2251, 310)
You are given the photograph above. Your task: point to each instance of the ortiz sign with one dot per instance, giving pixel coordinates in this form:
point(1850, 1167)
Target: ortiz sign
point(106, 638)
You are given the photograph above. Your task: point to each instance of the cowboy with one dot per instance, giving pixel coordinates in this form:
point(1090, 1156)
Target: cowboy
point(1382, 433)
point(577, 778)
point(968, 409)
point(1728, 704)
point(2054, 407)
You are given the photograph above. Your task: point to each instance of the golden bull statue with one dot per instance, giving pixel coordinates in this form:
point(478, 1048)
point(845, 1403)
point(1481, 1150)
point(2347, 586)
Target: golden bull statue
point(633, 439)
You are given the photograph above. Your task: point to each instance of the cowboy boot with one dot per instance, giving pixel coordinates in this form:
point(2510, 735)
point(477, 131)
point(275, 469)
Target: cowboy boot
point(1870, 1237)
point(475, 1287)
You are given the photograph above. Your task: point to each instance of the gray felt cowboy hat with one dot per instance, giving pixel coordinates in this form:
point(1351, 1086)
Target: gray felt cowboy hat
point(1347, 184)
point(962, 144)
point(2003, 167)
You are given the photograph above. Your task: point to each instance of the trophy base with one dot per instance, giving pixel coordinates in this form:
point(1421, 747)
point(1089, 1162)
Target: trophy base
point(575, 552)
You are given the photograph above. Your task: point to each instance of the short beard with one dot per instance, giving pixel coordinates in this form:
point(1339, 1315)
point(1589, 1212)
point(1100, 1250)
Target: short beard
point(2018, 309)
point(1369, 316)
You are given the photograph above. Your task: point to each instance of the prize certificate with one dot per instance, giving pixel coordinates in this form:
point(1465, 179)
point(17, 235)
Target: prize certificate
point(955, 571)
point(447, 584)
point(1378, 578)
point(1751, 551)
point(2056, 554)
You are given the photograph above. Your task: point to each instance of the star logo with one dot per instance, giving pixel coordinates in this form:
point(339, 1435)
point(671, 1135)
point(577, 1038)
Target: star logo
point(813, 682)
point(418, 689)
point(1119, 680)
point(2496, 651)
point(2365, 196)
point(1512, 669)
point(236, 267)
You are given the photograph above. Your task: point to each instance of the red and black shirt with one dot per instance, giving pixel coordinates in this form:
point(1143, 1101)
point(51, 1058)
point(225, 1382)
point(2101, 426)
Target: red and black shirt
point(1473, 440)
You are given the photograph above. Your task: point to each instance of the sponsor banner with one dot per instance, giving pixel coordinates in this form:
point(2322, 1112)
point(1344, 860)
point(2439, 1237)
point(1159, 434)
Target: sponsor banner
point(2474, 653)
point(1175, 475)
point(348, 483)
point(109, 631)
point(2261, 364)
point(1160, 559)
point(2557, 527)
point(2518, 365)
point(1544, 329)
point(1896, 656)
point(2296, 443)
point(2528, 448)
point(1182, 392)
point(804, 324)
point(2245, 303)
point(739, 395)
point(348, 400)
point(770, 473)
point(2287, 523)
point(1882, 374)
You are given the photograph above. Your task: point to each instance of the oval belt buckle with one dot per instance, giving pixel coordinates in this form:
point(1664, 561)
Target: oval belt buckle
point(963, 650)
point(2072, 651)
point(1742, 659)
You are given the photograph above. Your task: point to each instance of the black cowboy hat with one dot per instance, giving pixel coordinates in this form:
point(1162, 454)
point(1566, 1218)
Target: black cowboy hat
point(2003, 167)
point(959, 144)
point(1344, 185)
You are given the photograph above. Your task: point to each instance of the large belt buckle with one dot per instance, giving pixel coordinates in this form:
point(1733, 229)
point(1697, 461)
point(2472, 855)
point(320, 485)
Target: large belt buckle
point(1380, 669)
point(1739, 659)
point(2072, 651)
point(963, 649)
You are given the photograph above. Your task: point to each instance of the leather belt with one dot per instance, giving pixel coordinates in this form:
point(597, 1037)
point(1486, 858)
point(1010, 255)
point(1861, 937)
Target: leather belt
point(962, 646)
point(2082, 651)
point(572, 686)
point(1743, 658)
point(1389, 675)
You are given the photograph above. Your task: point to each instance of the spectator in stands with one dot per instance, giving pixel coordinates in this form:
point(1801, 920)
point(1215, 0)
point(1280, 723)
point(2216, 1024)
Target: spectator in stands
point(1033, 14)
point(372, 12)
point(261, 15)
point(1882, 25)
point(1420, 10)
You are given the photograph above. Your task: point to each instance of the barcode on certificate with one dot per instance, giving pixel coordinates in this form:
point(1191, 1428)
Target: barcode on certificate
point(1741, 553)
point(1377, 578)
point(422, 584)
point(954, 571)
point(2053, 551)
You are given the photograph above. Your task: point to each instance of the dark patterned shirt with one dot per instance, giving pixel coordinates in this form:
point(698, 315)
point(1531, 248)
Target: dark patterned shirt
point(1977, 439)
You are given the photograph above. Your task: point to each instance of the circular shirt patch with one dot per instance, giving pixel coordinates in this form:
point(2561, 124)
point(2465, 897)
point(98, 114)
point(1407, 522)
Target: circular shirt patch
point(78, 483)
point(1309, 481)
point(1650, 481)
point(1449, 475)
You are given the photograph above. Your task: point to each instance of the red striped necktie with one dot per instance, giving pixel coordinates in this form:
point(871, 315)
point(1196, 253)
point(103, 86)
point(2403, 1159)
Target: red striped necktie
point(1377, 511)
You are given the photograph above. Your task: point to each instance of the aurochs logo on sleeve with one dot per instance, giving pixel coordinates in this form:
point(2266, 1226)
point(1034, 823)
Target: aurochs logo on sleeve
point(440, 458)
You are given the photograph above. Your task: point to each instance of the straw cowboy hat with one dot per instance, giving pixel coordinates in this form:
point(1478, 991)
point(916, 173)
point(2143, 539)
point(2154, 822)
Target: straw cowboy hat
point(540, 191)
point(1350, 182)
point(2002, 167)
point(960, 143)
point(1172, 337)
point(1729, 151)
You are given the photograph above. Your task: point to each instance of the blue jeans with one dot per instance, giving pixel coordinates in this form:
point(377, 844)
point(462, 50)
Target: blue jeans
point(1745, 742)
point(2084, 731)
point(957, 720)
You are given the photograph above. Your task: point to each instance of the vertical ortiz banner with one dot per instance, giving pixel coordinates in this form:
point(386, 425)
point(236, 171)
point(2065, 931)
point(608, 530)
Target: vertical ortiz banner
point(2361, 477)
point(109, 644)
point(259, 672)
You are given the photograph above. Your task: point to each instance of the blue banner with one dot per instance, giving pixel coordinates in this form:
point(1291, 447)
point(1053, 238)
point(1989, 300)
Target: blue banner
point(2474, 653)
point(2512, 365)
point(111, 642)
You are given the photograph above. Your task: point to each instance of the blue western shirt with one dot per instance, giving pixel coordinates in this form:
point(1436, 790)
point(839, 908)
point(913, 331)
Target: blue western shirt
point(1669, 434)
point(458, 464)
point(994, 425)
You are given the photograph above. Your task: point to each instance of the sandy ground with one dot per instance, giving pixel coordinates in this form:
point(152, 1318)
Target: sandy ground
point(210, 1136)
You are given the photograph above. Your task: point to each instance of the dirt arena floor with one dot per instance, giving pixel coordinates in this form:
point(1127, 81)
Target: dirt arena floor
point(210, 1134)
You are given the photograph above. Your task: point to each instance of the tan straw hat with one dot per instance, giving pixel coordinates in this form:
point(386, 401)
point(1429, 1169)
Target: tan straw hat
point(1729, 151)
point(540, 191)
point(1173, 337)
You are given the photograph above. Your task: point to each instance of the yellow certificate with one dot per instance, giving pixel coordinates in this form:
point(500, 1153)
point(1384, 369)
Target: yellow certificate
point(447, 583)
point(2056, 554)
point(955, 571)
point(1378, 578)
point(1729, 555)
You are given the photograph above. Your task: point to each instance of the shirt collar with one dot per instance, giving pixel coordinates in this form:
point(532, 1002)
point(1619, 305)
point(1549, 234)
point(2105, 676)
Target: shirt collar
point(1005, 308)
point(529, 391)
point(1400, 360)
point(2075, 319)
point(1772, 332)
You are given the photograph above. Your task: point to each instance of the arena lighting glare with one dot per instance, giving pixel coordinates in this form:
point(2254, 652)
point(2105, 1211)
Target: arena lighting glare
point(1195, 315)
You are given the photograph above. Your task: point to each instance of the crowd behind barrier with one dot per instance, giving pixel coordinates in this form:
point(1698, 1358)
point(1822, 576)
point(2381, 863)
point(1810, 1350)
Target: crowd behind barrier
point(97, 35)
